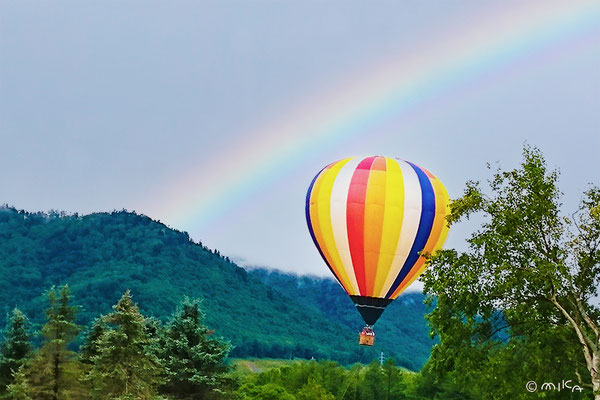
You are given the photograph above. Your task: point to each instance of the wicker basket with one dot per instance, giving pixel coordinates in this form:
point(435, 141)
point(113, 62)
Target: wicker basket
point(366, 340)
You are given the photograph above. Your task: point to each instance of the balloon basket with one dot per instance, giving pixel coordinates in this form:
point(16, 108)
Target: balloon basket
point(367, 336)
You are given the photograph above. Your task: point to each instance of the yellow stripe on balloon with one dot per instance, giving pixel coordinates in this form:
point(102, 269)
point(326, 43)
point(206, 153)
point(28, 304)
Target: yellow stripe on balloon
point(314, 217)
point(411, 208)
point(325, 236)
point(437, 237)
point(392, 223)
point(374, 211)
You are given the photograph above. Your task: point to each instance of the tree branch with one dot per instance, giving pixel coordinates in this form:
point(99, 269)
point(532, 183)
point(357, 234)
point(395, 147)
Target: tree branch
point(585, 316)
point(581, 382)
point(580, 335)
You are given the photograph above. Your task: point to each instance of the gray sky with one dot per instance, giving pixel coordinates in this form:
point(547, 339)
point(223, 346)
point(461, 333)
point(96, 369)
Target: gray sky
point(111, 105)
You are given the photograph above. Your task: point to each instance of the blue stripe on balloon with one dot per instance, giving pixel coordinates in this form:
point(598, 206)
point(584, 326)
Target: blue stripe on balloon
point(310, 228)
point(424, 230)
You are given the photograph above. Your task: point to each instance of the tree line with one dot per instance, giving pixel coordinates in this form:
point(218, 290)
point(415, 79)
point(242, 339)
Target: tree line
point(516, 311)
point(327, 380)
point(124, 355)
point(101, 255)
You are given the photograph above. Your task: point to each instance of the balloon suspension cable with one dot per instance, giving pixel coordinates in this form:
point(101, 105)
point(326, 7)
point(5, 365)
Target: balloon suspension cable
point(368, 329)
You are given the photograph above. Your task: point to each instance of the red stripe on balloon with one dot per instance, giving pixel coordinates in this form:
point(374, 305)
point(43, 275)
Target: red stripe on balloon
point(355, 219)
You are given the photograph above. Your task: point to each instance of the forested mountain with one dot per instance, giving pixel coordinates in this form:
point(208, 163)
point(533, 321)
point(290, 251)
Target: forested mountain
point(401, 329)
point(263, 314)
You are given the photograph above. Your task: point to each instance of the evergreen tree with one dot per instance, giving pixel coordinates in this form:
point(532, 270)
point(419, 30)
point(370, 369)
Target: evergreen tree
point(19, 389)
point(90, 349)
point(195, 361)
point(155, 332)
point(153, 328)
point(54, 373)
point(15, 348)
point(124, 367)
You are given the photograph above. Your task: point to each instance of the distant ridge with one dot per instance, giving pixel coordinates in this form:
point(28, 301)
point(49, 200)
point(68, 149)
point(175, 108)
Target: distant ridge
point(263, 313)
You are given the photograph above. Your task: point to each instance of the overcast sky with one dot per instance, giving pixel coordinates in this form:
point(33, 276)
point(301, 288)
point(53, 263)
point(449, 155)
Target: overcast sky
point(111, 105)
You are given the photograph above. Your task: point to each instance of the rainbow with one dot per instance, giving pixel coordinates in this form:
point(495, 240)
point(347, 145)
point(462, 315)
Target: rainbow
point(400, 84)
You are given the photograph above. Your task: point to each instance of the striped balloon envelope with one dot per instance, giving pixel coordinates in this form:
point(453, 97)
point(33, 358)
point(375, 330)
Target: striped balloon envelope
point(372, 219)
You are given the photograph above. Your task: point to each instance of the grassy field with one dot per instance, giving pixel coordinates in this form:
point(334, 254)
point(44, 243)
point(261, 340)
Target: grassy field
point(246, 366)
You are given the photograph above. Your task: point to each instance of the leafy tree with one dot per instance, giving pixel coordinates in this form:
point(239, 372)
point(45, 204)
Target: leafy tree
point(124, 368)
point(374, 383)
point(328, 380)
point(269, 391)
point(196, 362)
point(15, 348)
point(395, 387)
point(521, 296)
point(314, 391)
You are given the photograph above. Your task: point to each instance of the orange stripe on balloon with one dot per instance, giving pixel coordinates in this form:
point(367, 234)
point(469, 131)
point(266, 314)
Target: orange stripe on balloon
point(374, 210)
point(438, 234)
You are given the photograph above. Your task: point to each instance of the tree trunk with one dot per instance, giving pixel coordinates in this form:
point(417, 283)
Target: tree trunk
point(389, 391)
point(596, 374)
point(591, 350)
point(56, 375)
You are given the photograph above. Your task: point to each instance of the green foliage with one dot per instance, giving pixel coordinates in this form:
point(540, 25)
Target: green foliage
point(123, 367)
point(54, 373)
point(195, 362)
point(120, 356)
point(269, 391)
point(90, 347)
point(327, 380)
point(15, 348)
point(19, 389)
point(313, 391)
point(262, 315)
point(61, 328)
point(517, 305)
point(401, 331)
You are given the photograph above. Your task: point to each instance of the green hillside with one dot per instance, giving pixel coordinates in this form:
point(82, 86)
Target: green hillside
point(401, 330)
point(263, 314)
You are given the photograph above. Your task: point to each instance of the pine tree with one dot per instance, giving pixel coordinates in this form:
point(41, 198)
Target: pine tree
point(59, 332)
point(124, 367)
point(15, 348)
point(90, 349)
point(155, 331)
point(54, 373)
point(195, 361)
point(19, 389)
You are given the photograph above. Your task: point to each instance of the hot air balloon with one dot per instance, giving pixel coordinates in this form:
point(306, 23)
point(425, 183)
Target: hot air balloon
point(372, 220)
